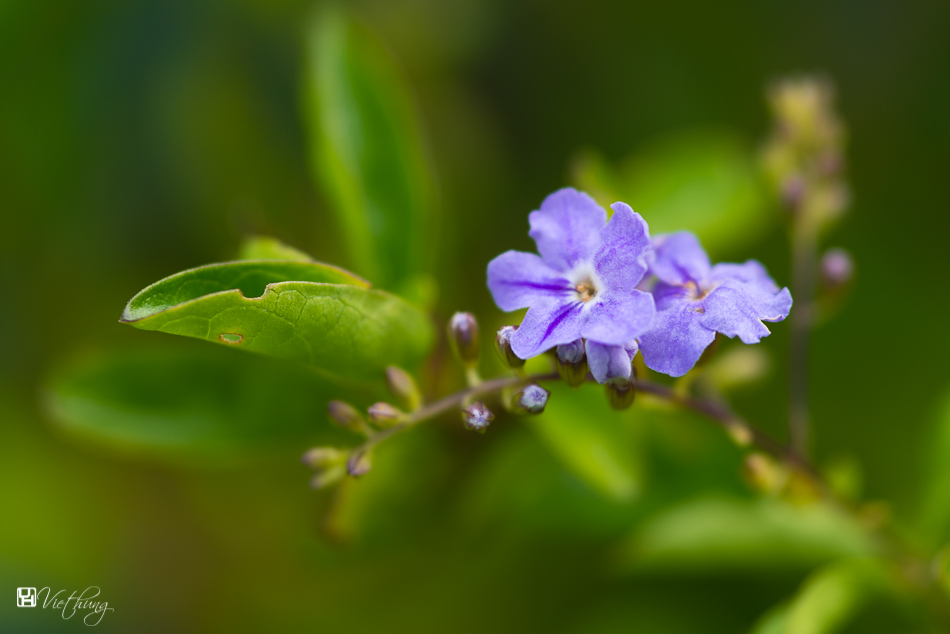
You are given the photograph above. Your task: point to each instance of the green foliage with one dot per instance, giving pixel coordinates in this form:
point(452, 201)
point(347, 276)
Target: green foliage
point(829, 599)
point(367, 152)
point(704, 182)
point(934, 516)
point(591, 439)
point(721, 534)
point(192, 403)
point(266, 248)
point(331, 321)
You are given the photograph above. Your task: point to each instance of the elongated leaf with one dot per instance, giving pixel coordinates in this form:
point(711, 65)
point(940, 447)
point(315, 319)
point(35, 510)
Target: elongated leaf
point(591, 439)
point(192, 403)
point(722, 534)
point(267, 248)
point(342, 329)
point(704, 182)
point(367, 151)
point(829, 599)
point(934, 517)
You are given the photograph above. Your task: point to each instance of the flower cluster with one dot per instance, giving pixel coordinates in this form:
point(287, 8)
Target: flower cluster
point(605, 291)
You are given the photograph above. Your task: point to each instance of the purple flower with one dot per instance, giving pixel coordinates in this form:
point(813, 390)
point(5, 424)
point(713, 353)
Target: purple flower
point(608, 362)
point(584, 283)
point(694, 301)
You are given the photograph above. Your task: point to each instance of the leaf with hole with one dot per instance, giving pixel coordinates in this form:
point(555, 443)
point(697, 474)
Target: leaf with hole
point(308, 312)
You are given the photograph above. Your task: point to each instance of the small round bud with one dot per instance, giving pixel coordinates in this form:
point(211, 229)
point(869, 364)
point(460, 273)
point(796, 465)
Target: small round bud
point(503, 346)
point(346, 416)
point(322, 457)
point(384, 414)
point(530, 400)
point(763, 473)
point(404, 388)
point(793, 192)
point(323, 479)
point(359, 463)
point(571, 361)
point(837, 268)
point(477, 417)
point(463, 337)
point(620, 393)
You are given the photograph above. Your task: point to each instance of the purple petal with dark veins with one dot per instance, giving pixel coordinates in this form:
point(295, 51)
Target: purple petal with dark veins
point(619, 317)
point(518, 280)
point(623, 256)
point(680, 259)
point(567, 228)
point(547, 324)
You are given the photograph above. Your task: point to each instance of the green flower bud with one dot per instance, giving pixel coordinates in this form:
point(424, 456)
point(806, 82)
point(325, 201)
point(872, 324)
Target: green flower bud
point(323, 479)
point(463, 338)
point(346, 416)
point(620, 392)
point(319, 457)
point(503, 346)
point(571, 361)
point(404, 388)
point(385, 415)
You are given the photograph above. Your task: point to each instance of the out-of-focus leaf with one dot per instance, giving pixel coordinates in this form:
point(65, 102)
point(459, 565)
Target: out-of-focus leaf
point(705, 182)
point(194, 403)
point(267, 248)
point(934, 516)
point(716, 534)
point(829, 599)
point(329, 320)
point(367, 151)
point(591, 439)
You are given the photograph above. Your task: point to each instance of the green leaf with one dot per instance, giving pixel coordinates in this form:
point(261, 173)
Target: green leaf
point(343, 329)
point(706, 182)
point(591, 439)
point(716, 534)
point(829, 599)
point(193, 403)
point(367, 151)
point(267, 248)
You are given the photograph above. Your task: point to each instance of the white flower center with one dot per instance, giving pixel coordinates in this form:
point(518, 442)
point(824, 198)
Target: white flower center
point(586, 282)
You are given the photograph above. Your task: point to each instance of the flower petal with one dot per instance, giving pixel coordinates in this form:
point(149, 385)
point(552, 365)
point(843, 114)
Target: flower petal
point(676, 340)
point(619, 317)
point(623, 256)
point(567, 228)
point(745, 297)
point(680, 259)
point(610, 362)
point(547, 324)
point(517, 280)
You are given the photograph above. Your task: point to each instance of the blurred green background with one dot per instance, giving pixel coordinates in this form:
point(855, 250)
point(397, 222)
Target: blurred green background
point(141, 138)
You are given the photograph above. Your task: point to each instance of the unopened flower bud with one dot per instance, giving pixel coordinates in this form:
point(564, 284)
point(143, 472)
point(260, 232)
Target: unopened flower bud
point(384, 414)
point(322, 457)
point(477, 417)
point(530, 400)
point(346, 416)
point(503, 346)
point(404, 388)
point(837, 268)
point(763, 473)
point(325, 478)
point(620, 393)
point(571, 362)
point(359, 463)
point(463, 337)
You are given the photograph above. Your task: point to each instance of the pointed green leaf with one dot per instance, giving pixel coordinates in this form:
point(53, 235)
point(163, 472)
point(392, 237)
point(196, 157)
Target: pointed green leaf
point(267, 248)
point(715, 534)
point(591, 439)
point(704, 182)
point(367, 151)
point(192, 403)
point(300, 311)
